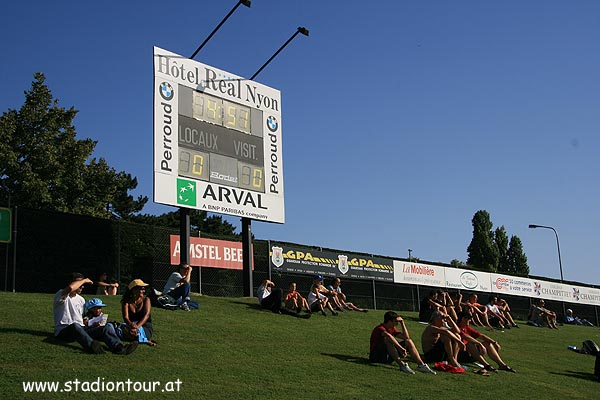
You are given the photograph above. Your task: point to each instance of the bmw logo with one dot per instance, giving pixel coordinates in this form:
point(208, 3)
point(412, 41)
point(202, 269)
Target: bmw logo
point(166, 91)
point(272, 123)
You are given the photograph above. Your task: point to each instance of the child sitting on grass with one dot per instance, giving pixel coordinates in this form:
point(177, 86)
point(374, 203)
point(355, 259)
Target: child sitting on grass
point(93, 313)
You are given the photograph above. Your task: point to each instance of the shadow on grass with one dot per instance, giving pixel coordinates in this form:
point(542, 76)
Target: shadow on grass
point(578, 374)
point(254, 306)
point(48, 336)
point(352, 359)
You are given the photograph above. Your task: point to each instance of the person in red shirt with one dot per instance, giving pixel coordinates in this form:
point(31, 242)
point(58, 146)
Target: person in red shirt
point(385, 348)
point(478, 345)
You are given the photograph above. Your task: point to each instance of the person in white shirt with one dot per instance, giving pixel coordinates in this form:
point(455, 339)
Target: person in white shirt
point(178, 286)
point(68, 321)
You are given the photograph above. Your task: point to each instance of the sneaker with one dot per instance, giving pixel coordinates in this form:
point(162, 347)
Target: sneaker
point(426, 370)
point(334, 313)
point(323, 313)
point(96, 347)
point(406, 369)
point(125, 350)
point(184, 306)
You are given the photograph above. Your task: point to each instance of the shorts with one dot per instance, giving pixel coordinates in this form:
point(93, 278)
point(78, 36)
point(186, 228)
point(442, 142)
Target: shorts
point(464, 357)
point(380, 354)
point(436, 353)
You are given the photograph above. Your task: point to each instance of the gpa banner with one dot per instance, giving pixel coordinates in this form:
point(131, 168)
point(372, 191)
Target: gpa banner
point(327, 263)
point(457, 278)
point(419, 274)
point(209, 253)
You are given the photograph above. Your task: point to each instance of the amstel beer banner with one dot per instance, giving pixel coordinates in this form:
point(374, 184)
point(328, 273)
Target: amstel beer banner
point(327, 263)
point(209, 253)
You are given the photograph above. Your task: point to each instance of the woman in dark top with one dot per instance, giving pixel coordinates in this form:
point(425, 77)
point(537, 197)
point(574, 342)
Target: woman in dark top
point(136, 308)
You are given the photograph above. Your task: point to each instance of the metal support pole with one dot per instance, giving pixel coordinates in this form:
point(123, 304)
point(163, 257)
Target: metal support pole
point(374, 296)
point(14, 239)
point(184, 235)
point(247, 257)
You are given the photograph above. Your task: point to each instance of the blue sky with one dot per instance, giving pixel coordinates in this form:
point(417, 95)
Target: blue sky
point(401, 119)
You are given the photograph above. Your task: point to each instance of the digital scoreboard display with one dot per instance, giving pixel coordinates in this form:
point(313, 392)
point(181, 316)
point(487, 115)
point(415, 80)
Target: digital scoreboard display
point(217, 140)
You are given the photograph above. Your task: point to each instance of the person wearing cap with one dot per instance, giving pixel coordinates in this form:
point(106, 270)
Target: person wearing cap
point(68, 307)
point(441, 342)
point(93, 313)
point(136, 308)
point(317, 297)
point(479, 345)
point(385, 348)
point(178, 286)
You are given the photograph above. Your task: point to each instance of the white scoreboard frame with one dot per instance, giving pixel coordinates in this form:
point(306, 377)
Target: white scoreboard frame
point(172, 72)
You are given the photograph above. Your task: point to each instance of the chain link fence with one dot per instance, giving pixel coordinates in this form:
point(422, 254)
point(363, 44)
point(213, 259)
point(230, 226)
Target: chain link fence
point(49, 246)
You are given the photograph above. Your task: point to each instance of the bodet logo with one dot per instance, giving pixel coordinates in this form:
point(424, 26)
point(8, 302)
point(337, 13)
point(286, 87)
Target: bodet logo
point(469, 280)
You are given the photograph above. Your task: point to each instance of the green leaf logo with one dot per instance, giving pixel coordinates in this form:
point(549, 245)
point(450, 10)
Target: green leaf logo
point(186, 192)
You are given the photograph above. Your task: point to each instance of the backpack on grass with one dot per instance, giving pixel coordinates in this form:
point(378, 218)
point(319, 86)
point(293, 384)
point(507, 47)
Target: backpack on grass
point(590, 347)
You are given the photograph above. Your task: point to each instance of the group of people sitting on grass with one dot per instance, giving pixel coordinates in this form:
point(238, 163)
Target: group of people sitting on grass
point(85, 322)
point(446, 342)
point(495, 314)
point(319, 299)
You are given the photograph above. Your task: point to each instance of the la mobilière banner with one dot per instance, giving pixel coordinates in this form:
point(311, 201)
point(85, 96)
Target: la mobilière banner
point(209, 253)
point(327, 263)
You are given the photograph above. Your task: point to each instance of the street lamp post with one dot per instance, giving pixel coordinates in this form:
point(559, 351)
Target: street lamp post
point(533, 226)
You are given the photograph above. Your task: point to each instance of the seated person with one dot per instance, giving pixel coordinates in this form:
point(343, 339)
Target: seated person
point(385, 348)
point(105, 288)
point(478, 312)
point(573, 320)
point(136, 308)
point(478, 345)
point(341, 297)
point(68, 321)
point(504, 308)
point(178, 286)
point(269, 296)
point(317, 299)
point(540, 315)
point(495, 316)
point(428, 306)
point(294, 300)
point(448, 306)
point(93, 315)
point(441, 343)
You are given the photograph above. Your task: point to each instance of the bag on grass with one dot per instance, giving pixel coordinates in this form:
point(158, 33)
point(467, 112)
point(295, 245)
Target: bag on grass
point(590, 347)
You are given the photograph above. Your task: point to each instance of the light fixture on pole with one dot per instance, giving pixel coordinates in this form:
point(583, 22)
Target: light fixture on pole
point(532, 226)
point(409, 255)
point(247, 3)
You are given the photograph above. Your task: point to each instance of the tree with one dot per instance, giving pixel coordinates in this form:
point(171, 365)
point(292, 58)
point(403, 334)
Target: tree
point(44, 166)
point(516, 258)
point(501, 241)
point(482, 251)
point(456, 263)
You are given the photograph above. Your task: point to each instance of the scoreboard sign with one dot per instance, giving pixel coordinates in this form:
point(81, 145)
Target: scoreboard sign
point(217, 140)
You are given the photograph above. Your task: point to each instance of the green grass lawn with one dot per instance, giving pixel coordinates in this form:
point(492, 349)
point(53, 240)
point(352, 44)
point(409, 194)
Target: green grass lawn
point(229, 349)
